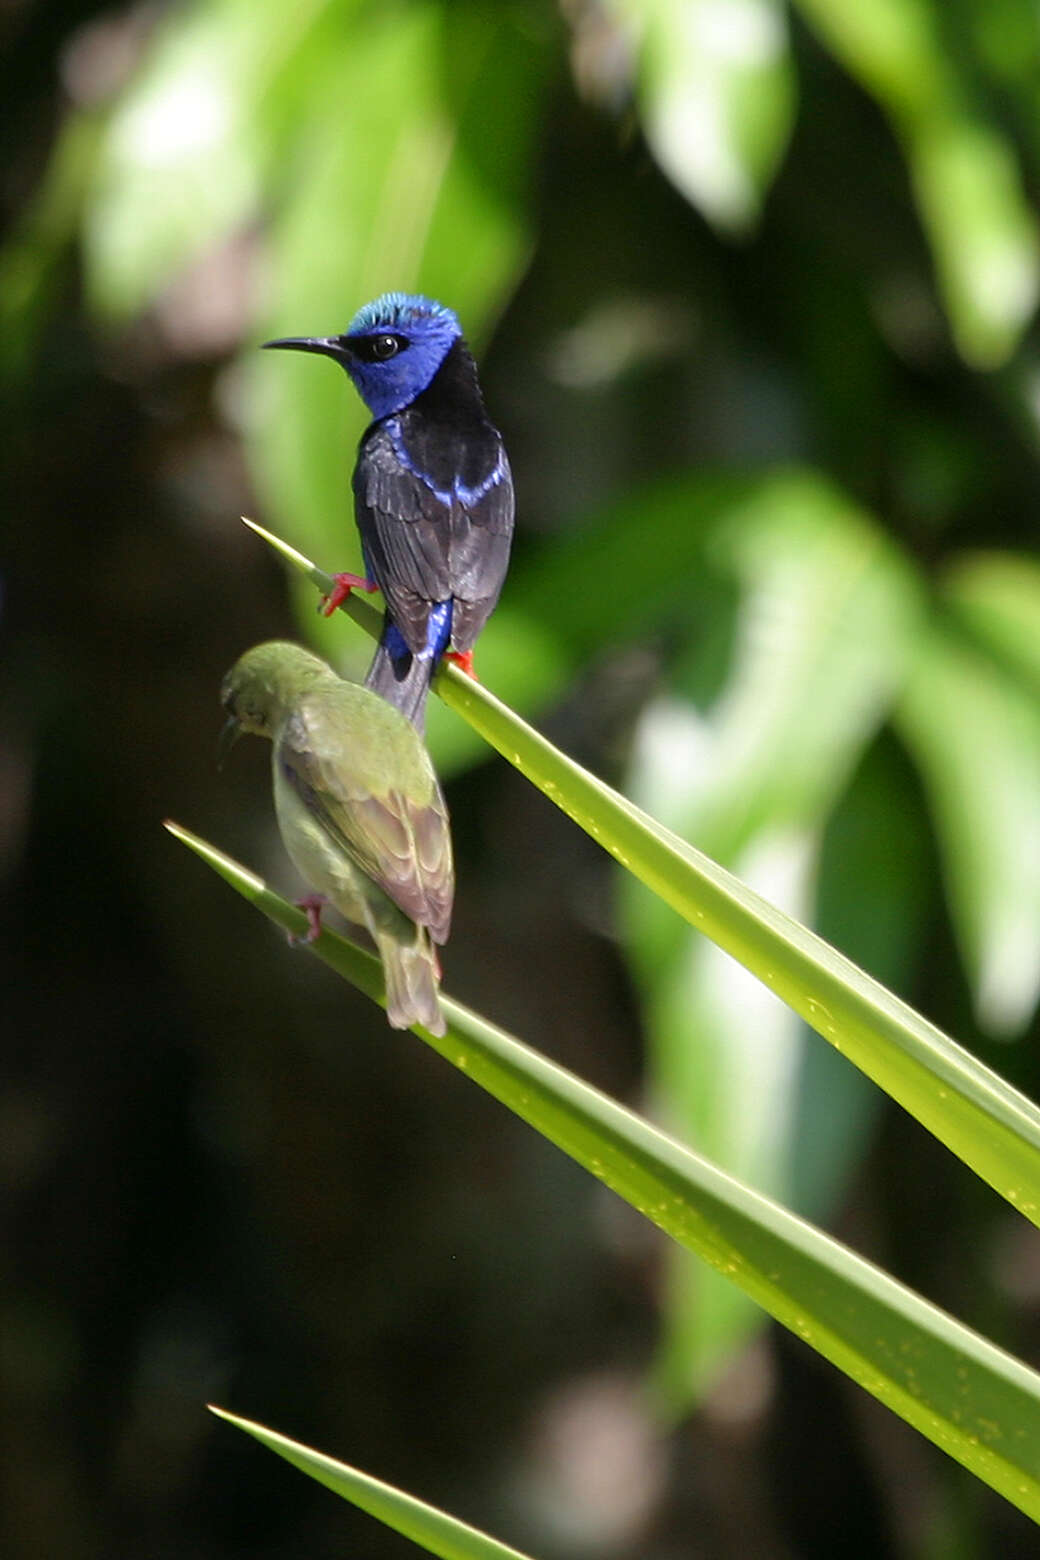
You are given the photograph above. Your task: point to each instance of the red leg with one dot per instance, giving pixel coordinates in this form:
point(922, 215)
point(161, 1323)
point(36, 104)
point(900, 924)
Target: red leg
point(344, 584)
point(463, 659)
point(313, 904)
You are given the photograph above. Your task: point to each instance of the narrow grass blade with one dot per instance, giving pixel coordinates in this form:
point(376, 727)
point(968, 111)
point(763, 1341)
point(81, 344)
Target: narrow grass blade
point(354, 964)
point(363, 613)
point(989, 1124)
point(983, 1119)
point(434, 1530)
point(969, 1397)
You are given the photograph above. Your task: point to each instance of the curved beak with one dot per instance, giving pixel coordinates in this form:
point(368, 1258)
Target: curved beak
point(330, 346)
point(229, 735)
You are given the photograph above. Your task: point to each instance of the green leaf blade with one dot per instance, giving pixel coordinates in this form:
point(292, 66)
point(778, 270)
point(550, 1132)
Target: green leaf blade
point(437, 1532)
point(990, 1125)
point(981, 1118)
point(969, 1397)
point(996, 597)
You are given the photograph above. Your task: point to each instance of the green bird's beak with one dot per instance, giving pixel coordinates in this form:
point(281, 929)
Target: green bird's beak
point(228, 737)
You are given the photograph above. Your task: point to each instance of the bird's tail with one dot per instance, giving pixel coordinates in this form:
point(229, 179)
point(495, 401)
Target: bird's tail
point(402, 679)
point(412, 974)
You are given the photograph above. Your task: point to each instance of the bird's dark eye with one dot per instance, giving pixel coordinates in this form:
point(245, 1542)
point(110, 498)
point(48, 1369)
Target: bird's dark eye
point(380, 348)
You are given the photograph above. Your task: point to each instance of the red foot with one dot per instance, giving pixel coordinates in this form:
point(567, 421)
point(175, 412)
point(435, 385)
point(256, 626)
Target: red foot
point(463, 659)
point(313, 904)
point(344, 584)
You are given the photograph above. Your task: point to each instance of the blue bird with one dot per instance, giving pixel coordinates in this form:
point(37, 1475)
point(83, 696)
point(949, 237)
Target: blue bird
point(433, 492)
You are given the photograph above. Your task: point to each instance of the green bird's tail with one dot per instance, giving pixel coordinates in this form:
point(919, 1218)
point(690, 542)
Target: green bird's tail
point(411, 972)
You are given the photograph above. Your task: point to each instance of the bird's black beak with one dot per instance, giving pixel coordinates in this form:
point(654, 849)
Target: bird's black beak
point(228, 737)
point(329, 346)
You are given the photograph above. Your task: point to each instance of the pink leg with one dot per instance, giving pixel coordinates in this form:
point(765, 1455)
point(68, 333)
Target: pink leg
point(344, 584)
point(463, 659)
point(313, 904)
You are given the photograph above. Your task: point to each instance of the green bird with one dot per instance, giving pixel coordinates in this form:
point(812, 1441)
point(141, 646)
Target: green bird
point(359, 809)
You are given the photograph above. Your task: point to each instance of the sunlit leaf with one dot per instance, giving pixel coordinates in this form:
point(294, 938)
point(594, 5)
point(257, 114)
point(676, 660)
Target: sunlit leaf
point(716, 94)
point(714, 532)
point(977, 1403)
point(189, 149)
point(994, 1128)
point(823, 612)
point(873, 891)
point(983, 232)
point(823, 629)
point(725, 1060)
point(976, 736)
point(969, 188)
point(997, 596)
point(1004, 37)
point(437, 1532)
point(516, 653)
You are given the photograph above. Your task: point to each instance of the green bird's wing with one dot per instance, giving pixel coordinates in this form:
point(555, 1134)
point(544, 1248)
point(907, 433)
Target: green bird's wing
point(382, 807)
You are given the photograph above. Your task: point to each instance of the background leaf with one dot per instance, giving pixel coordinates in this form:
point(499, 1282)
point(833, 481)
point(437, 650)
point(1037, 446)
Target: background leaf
point(980, 1405)
point(976, 736)
point(821, 632)
point(422, 187)
point(188, 149)
point(220, 1120)
point(965, 172)
point(976, 1113)
point(997, 597)
point(716, 95)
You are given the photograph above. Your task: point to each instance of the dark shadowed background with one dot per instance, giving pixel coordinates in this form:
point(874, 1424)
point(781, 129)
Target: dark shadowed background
point(753, 296)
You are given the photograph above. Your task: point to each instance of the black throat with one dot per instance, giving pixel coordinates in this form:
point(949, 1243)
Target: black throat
point(453, 394)
point(446, 431)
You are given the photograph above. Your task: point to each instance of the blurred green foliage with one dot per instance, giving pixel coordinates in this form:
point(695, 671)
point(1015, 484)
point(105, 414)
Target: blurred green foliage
point(755, 290)
point(979, 1405)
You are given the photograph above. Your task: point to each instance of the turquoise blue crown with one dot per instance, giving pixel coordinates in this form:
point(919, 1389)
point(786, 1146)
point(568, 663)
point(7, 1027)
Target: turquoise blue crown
point(397, 309)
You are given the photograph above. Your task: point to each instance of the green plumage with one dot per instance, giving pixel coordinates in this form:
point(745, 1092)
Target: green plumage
point(360, 811)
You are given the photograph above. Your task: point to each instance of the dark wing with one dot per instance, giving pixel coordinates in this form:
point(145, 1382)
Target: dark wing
point(403, 844)
point(434, 505)
point(481, 536)
point(405, 532)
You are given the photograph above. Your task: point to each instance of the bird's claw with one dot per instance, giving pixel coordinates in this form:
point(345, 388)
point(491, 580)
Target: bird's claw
point(342, 586)
point(463, 659)
point(313, 904)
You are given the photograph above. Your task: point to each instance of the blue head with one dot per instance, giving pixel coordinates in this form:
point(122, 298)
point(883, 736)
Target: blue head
point(391, 349)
